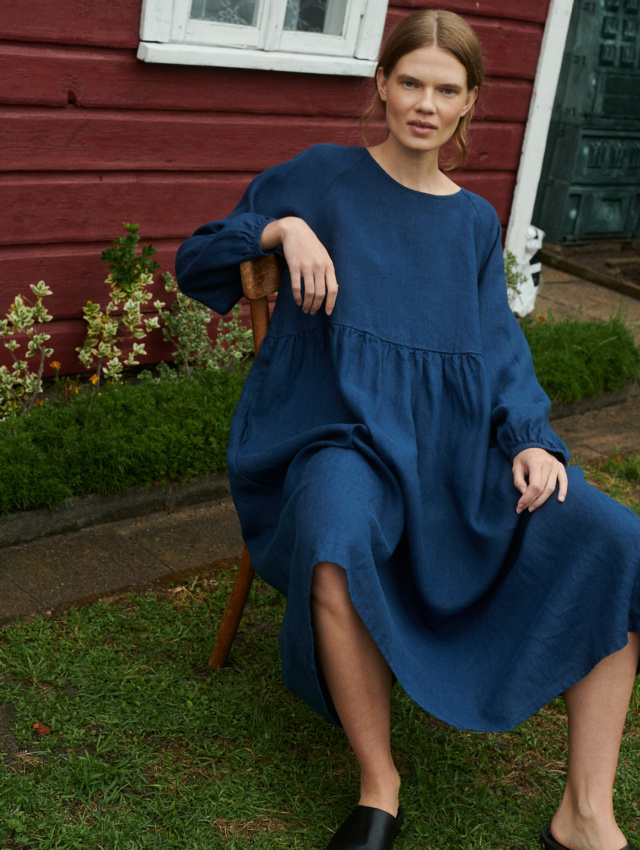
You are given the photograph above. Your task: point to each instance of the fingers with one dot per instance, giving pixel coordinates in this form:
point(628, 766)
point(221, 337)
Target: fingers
point(296, 284)
point(314, 290)
point(563, 484)
point(519, 478)
point(536, 474)
point(332, 291)
point(542, 483)
point(320, 285)
point(313, 278)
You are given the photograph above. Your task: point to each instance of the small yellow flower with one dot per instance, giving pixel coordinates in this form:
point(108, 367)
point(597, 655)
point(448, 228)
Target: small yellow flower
point(542, 319)
point(94, 379)
point(55, 365)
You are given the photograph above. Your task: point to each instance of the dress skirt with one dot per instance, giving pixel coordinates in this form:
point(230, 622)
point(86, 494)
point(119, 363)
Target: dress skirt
point(566, 596)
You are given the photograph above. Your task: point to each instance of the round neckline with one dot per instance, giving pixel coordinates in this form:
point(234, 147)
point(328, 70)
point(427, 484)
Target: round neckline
point(408, 188)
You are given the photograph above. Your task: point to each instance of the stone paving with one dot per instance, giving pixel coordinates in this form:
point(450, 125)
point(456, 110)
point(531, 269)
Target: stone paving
point(599, 433)
point(44, 575)
point(565, 295)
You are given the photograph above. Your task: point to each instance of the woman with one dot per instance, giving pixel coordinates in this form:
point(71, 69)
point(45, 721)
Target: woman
point(392, 463)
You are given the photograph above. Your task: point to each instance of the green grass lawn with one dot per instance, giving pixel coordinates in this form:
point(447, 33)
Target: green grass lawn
point(619, 477)
point(147, 748)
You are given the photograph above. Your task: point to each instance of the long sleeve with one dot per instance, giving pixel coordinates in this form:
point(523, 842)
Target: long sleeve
point(207, 263)
point(519, 406)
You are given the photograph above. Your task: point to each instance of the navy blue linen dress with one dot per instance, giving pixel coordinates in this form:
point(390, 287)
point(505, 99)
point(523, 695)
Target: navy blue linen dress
point(382, 438)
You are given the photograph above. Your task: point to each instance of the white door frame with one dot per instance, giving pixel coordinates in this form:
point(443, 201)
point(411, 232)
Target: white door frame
point(537, 130)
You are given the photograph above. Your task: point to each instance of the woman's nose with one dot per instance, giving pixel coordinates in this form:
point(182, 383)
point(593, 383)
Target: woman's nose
point(426, 103)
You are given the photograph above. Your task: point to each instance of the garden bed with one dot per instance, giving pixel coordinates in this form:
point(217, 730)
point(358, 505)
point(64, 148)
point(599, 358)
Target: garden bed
point(150, 433)
point(576, 360)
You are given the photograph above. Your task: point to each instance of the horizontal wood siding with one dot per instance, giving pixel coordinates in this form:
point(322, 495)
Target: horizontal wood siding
point(35, 140)
point(91, 137)
point(115, 23)
point(39, 75)
point(518, 10)
point(73, 272)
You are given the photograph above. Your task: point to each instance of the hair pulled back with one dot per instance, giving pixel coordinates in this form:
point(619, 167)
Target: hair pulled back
point(447, 31)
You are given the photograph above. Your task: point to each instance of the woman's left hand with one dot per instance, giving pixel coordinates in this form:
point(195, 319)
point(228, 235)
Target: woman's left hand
point(536, 473)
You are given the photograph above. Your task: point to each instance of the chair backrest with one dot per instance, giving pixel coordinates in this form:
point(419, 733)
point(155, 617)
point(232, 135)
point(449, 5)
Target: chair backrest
point(260, 278)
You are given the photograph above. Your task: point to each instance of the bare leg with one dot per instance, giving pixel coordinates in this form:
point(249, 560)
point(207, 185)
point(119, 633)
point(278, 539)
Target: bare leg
point(597, 708)
point(359, 681)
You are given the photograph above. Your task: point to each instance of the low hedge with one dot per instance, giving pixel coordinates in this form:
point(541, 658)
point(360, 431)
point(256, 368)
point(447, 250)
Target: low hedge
point(152, 432)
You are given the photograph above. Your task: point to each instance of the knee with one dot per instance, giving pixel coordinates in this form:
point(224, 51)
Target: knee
point(329, 587)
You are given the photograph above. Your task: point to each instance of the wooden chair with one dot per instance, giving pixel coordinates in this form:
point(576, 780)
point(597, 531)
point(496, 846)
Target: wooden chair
point(260, 278)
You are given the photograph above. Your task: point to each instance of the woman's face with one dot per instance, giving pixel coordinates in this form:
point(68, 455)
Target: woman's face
point(425, 96)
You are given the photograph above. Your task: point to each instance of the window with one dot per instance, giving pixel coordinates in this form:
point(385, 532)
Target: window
point(317, 36)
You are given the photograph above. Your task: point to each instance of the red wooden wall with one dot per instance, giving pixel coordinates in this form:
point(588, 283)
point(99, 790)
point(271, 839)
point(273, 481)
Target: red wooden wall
point(91, 137)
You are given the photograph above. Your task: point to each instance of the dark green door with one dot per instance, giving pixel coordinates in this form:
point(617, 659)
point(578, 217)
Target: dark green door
point(590, 185)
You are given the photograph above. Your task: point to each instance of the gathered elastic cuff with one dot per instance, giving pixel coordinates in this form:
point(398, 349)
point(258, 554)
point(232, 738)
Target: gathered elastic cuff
point(253, 234)
point(558, 450)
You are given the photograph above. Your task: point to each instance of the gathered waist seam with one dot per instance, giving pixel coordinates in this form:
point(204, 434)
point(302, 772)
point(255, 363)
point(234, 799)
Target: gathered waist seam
point(377, 338)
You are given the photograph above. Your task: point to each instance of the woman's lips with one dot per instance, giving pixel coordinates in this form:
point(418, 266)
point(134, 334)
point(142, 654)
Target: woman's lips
point(421, 128)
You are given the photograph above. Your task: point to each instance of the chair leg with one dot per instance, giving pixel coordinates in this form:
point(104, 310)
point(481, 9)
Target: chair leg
point(233, 612)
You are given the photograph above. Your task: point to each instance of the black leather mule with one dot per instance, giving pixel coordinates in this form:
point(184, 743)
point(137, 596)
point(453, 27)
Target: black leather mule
point(367, 828)
point(549, 843)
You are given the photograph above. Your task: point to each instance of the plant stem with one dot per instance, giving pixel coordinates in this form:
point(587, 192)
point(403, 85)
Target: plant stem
point(38, 383)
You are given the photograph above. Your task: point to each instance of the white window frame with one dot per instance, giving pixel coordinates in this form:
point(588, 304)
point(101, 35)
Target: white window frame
point(169, 35)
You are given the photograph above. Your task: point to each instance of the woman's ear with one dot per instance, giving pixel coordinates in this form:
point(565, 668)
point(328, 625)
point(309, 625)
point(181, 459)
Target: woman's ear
point(381, 83)
point(472, 96)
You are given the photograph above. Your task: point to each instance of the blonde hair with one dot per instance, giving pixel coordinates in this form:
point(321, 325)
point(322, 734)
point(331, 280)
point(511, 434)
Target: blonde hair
point(447, 31)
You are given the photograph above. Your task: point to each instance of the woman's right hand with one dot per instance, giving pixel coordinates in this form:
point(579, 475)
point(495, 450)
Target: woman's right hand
point(308, 261)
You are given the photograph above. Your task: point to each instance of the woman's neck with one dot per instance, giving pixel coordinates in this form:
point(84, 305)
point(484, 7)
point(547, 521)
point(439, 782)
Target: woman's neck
point(416, 170)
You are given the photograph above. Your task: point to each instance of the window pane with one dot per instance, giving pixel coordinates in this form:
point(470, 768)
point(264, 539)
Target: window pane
point(241, 12)
point(323, 16)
